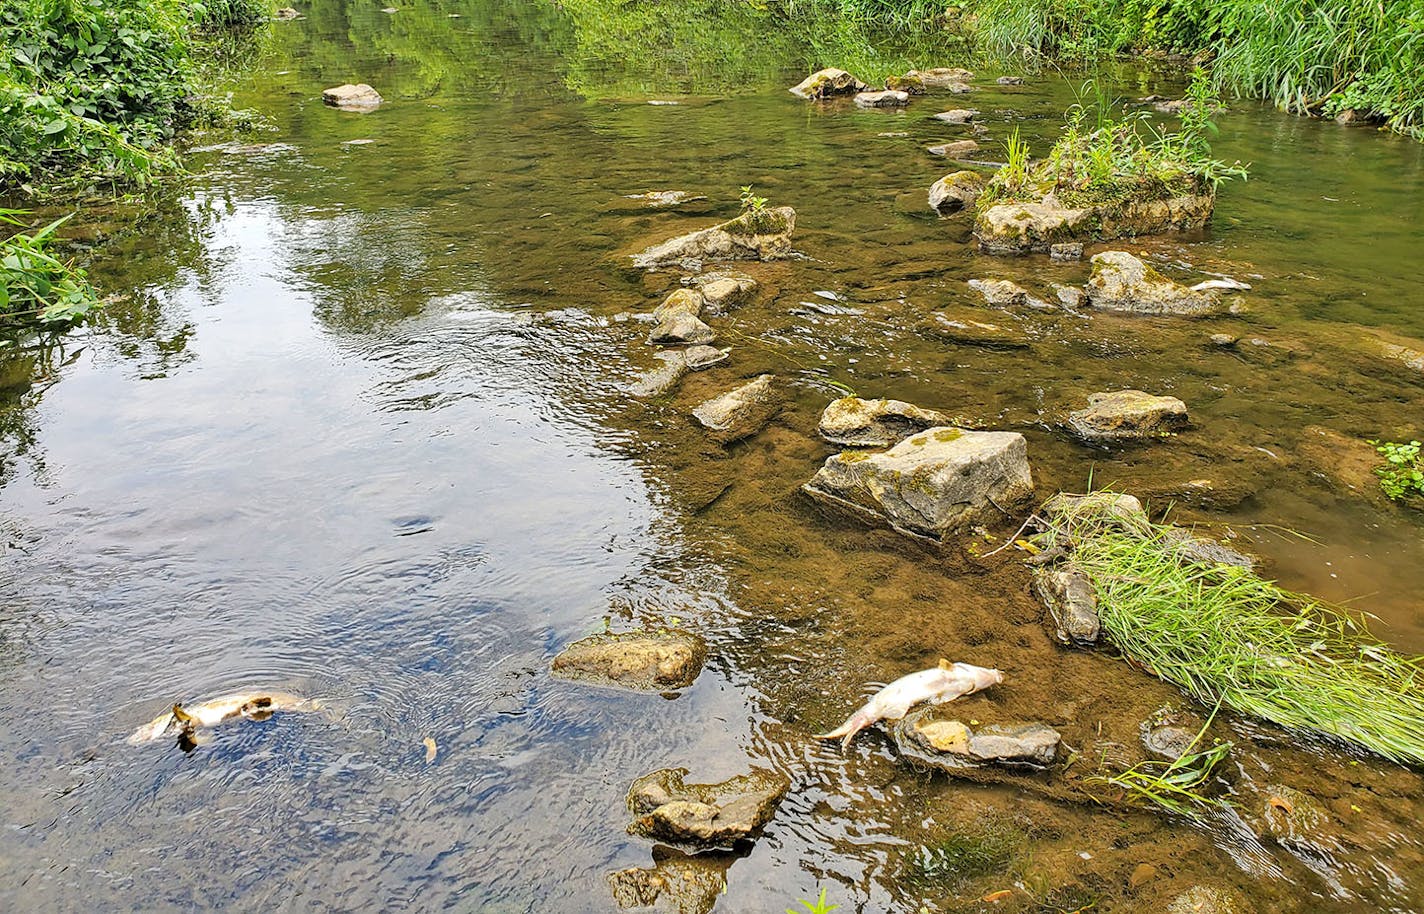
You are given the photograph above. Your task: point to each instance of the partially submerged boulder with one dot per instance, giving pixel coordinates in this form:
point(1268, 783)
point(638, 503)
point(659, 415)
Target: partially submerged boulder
point(764, 235)
point(890, 98)
point(854, 422)
point(941, 77)
point(1122, 282)
point(646, 661)
point(1010, 80)
point(725, 289)
point(661, 378)
point(956, 191)
point(704, 816)
point(679, 301)
point(911, 83)
point(700, 357)
point(680, 329)
point(677, 882)
point(1072, 602)
point(1020, 227)
point(828, 82)
point(1128, 415)
point(932, 485)
point(1003, 293)
point(957, 115)
point(956, 150)
point(742, 412)
point(928, 737)
point(354, 97)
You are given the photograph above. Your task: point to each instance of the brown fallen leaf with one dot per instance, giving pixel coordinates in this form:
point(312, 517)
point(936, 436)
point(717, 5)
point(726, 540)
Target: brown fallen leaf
point(430, 750)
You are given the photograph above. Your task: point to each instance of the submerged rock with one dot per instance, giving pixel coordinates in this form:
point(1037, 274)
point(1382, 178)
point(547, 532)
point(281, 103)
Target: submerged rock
point(956, 150)
point(679, 329)
point(957, 115)
point(742, 412)
point(941, 77)
point(1400, 350)
point(661, 379)
point(750, 236)
point(1123, 415)
point(1010, 80)
point(962, 326)
point(1072, 603)
point(828, 82)
point(660, 199)
point(1203, 899)
point(354, 97)
point(1066, 250)
point(1002, 293)
point(701, 816)
point(700, 357)
point(1122, 282)
point(1125, 511)
point(854, 422)
point(890, 98)
point(677, 882)
point(956, 191)
point(951, 745)
point(934, 484)
point(646, 661)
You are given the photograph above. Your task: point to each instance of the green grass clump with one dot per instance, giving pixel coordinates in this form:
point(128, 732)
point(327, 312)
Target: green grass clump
point(1178, 785)
point(1402, 474)
point(35, 285)
point(1226, 635)
point(1100, 158)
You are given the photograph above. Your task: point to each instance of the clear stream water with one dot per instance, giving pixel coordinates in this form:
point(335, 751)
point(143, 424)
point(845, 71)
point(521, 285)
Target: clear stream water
point(358, 432)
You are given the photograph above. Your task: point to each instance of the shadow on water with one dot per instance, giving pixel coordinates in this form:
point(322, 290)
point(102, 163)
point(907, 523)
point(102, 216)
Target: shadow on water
point(357, 432)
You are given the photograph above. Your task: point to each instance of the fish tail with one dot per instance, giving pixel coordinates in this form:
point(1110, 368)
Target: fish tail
point(847, 731)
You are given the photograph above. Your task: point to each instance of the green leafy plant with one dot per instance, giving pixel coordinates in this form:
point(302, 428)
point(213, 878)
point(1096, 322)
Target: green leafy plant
point(35, 285)
point(1176, 786)
point(752, 205)
point(820, 906)
point(1225, 635)
point(1015, 170)
point(1402, 474)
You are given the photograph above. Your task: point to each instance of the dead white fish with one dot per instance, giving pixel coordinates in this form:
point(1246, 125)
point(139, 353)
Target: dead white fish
point(182, 721)
point(1228, 284)
point(945, 682)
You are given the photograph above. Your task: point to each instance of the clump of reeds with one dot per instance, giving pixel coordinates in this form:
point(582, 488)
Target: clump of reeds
point(1228, 636)
point(1177, 785)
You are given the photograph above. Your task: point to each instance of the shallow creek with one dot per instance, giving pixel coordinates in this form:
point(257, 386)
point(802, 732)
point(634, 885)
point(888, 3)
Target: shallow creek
point(359, 432)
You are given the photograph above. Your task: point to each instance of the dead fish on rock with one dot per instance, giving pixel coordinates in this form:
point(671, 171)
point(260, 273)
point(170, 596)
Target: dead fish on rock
point(183, 722)
point(943, 683)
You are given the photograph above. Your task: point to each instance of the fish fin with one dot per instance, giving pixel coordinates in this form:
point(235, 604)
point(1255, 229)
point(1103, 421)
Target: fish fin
point(843, 730)
point(945, 664)
point(183, 717)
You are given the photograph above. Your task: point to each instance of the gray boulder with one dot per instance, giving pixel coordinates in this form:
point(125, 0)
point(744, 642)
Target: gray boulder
point(1002, 293)
point(751, 236)
point(679, 301)
point(828, 82)
point(646, 661)
point(951, 745)
point(742, 412)
point(662, 378)
point(1122, 282)
point(957, 115)
point(700, 357)
point(1071, 601)
point(854, 422)
point(1128, 415)
point(680, 329)
point(1066, 250)
point(702, 816)
point(942, 77)
point(890, 98)
point(724, 290)
point(1010, 80)
point(357, 97)
point(955, 192)
point(956, 150)
point(933, 484)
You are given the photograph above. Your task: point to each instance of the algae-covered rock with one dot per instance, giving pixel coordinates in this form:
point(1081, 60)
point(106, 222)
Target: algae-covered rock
point(701, 816)
point(1010, 80)
point(942, 77)
point(742, 412)
point(679, 301)
point(1003, 293)
point(763, 235)
point(854, 422)
point(677, 882)
point(646, 661)
point(928, 737)
point(956, 191)
point(661, 378)
point(725, 289)
point(700, 357)
point(934, 484)
point(1072, 603)
point(680, 329)
point(1020, 227)
point(1205, 899)
point(828, 82)
point(1123, 415)
point(910, 83)
point(1122, 282)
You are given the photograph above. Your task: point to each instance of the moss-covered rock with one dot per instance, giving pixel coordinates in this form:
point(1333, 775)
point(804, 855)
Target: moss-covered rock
point(956, 191)
point(700, 816)
point(756, 235)
point(647, 661)
point(1021, 227)
point(1122, 282)
point(827, 83)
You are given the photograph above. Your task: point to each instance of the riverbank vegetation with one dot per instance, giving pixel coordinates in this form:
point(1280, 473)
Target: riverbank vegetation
point(1227, 636)
point(1103, 158)
point(1402, 474)
point(1321, 57)
point(94, 94)
point(36, 286)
